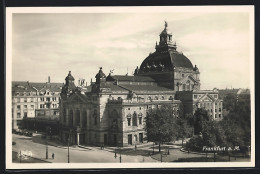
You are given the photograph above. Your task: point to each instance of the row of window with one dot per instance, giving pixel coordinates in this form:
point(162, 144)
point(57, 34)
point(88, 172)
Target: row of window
point(25, 107)
point(134, 119)
point(49, 106)
point(25, 93)
point(19, 114)
point(209, 104)
point(195, 96)
point(48, 99)
point(32, 99)
point(157, 98)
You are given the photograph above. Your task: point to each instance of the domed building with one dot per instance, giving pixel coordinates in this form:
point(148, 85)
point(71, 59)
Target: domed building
point(112, 112)
point(169, 67)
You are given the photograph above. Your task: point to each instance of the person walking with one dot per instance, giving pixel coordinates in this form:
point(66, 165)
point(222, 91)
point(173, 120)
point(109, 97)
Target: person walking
point(52, 155)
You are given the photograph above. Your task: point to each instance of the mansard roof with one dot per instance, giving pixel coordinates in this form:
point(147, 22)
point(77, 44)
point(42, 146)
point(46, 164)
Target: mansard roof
point(130, 78)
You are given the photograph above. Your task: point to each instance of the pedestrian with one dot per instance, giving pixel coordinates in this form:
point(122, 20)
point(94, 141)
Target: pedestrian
point(52, 155)
point(135, 147)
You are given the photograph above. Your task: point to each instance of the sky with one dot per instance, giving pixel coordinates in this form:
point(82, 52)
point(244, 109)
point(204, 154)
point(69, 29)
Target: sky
point(48, 44)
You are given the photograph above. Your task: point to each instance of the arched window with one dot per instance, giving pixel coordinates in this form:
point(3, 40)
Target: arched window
point(71, 118)
point(64, 115)
point(84, 119)
point(114, 123)
point(77, 118)
point(134, 119)
point(149, 98)
point(155, 98)
point(95, 117)
point(129, 119)
point(140, 118)
point(188, 85)
point(162, 97)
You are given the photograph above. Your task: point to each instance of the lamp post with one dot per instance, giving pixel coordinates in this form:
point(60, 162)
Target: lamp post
point(69, 147)
point(120, 158)
point(46, 137)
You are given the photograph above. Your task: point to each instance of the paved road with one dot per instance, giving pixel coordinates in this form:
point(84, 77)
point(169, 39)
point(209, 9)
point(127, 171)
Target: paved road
point(77, 155)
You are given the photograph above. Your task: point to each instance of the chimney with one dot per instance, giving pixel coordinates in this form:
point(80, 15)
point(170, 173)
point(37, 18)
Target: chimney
point(49, 79)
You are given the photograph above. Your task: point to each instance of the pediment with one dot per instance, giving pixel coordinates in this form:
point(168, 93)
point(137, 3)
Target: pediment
point(188, 78)
point(75, 98)
point(206, 98)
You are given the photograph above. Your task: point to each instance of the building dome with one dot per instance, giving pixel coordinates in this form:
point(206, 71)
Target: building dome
point(166, 57)
point(69, 77)
point(166, 60)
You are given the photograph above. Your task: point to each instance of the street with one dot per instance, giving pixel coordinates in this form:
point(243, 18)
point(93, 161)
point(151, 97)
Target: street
point(77, 155)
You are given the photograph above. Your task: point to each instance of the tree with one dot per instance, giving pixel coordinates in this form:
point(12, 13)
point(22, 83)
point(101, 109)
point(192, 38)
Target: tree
point(160, 125)
point(200, 116)
point(182, 128)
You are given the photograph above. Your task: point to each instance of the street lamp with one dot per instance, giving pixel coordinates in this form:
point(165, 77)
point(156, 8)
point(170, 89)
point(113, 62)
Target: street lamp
point(120, 158)
point(46, 137)
point(69, 146)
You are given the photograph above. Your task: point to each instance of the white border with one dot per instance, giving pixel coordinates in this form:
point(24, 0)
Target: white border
point(154, 9)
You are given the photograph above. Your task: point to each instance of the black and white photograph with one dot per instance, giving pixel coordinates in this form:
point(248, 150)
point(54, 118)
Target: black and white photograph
point(127, 87)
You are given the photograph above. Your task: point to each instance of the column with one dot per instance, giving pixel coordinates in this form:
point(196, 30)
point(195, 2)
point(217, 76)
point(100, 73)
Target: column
point(80, 118)
point(213, 111)
point(77, 138)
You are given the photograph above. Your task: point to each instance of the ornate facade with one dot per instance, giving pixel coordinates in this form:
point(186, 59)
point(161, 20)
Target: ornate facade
point(113, 111)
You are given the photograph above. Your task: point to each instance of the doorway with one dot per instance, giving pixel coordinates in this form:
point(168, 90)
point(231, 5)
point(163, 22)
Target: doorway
point(130, 139)
point(105, 139)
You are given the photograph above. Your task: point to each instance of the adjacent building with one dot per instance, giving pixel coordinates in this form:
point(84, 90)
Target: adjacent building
point(30, 100)
point(112, 110)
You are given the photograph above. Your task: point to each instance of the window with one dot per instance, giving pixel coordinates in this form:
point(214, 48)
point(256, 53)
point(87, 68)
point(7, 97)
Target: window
point(18, 115)
point(134, 119)
point(195, 96)
point(140, 120)
point(182, 75)
point(18, 107)
point(42, 99)
point(114, 123)
point(25, 106)
point(141, 137)
point(64, 115)
point(215, 96)
point(183, 87)
point(95, 120)
point(215, 110)
point(162, 97)
point(219, 115)
point(95, 117)
point(155, 98)
point(41, 105)
point(219, 109)
point(25, 99)
point(215, 115)
point(32, 106)
point(54, 99)
point(128, 108)
point(129, 121)
point(48, 99)
point(25, 114)
point(140, 108)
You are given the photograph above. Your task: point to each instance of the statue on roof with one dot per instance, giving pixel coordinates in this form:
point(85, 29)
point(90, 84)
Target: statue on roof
point(166, 24)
